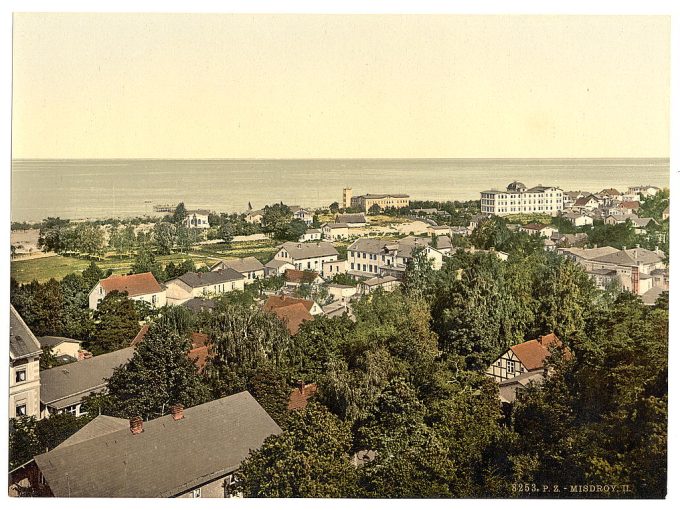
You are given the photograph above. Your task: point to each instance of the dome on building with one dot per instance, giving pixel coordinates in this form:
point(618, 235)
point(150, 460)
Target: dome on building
point(516, 186)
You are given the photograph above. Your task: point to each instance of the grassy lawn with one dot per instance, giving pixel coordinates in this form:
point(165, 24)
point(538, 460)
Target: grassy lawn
point(42, 269)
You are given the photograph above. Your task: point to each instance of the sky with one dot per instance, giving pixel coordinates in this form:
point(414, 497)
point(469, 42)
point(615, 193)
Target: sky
point(339, 86)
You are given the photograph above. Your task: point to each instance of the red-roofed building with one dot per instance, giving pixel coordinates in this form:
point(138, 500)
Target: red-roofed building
point(274, 302)
point(293, 316)
point(139, 287)
point(629, 205)
point(295, 277)
point(300, 395)
point(526, 357)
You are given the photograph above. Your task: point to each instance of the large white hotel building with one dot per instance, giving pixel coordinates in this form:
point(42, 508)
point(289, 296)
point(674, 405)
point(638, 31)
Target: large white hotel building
point(518, 199)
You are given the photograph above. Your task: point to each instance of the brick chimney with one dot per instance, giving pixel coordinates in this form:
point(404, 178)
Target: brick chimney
point(177, 412)
point(136, 425)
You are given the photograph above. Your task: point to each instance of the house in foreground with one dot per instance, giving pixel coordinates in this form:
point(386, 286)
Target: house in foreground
point(139, 287)
point(63, 388)
point(313, 234)
point(24, 368)
point(190, 453)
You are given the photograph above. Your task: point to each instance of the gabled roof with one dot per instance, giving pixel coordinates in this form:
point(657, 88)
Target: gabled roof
point(584, 200)
point(384, 195)
point(610, 192)
point(134, 284)
point(100, 426)
point(199, 304)
point(202, 212)
point(169, 458)
point(309, 250)
point(276, 264)
point(620, 258)
point(336, 225)
point(629, 204)
point(66, 385)
point(533, 353)
point(293, 316)
point(22, 341)
point(351, 218)
point(53, 341)
point(274, 302)
point(379, 280)
point(197, 280)
point(244, 265)
point(297, 276)
point(649, 298)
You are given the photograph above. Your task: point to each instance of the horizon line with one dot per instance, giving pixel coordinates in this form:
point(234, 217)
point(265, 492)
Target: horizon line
point(334, 158)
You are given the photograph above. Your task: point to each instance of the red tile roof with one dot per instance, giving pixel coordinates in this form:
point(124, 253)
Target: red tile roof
point(630, 204)
point(299, 396)
point(133, 284)
point(275, 302)
point(297, 276)
point(532, 354)
point(584, 200)
point(293, 316)
point(140, 336)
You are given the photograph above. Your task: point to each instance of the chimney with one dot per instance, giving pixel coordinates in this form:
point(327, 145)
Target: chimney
point(177, 412)
point(136, 425)
point(623, 248)
point(301, 385)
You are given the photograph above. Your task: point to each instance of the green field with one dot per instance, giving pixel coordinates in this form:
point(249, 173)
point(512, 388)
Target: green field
point(42, 269)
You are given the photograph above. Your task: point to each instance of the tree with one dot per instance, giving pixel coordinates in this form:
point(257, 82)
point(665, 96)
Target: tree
point(117, 323)
point(275, 220)
point(268, 386)
point(77, 316)
point(158, 375)
point(89, 240)
point(179, 214)
point(374, 210)
point(419, 275)
point(164, 237)
point(334, 208)
point(92, 274)
point(309, 459)
point(226, 234)
point(145, 262)
point(293, 231)
point(50, 235)
point(244, 339)
point(48, 307)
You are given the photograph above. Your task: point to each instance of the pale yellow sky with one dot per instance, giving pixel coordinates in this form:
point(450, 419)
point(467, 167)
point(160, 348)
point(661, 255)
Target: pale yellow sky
point(298, 86)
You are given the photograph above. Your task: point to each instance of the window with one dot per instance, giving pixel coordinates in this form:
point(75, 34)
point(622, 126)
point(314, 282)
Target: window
point(20, 375)
point(154, 298)
point(510, 366)
point(73, 410)
point(20, 410)
point(196, 493)
point(352, 265)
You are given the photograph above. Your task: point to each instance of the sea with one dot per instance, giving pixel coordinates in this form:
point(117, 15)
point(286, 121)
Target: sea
point(98, 189)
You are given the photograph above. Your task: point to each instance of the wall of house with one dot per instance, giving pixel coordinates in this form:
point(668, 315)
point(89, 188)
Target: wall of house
point(330, 269)
point(506, 367)
point(500, 203)
point(67, 348)
point(26, 392)
point(220, 288)
point(156, 300)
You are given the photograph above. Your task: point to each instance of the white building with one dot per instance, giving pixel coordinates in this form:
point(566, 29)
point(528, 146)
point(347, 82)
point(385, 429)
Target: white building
point(335, 231)
point(577, 219)
point(197, 219)
point(330, 269)
point(139, 287)
point(304, 215)
point(251, 268)
point(518, 199)
point(374, 257)
point(307, 255)
point(313, 234)
point(193, 285)
point(24, 368)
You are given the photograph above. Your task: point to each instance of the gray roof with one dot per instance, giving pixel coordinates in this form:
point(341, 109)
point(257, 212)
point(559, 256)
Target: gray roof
point(508, 389)
point(350, 218)
point(22, 341)
point(199, 304)
point(53, 341)
point(204, 212)
point(336, 225)
point(169, 458)
point(650, 297)
point(67, 385)
point(309, 250)
point(196, 280)
point(379, 280)
point(276, 264)
point(100, 426)
point(244, 265)
point(313, 231)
